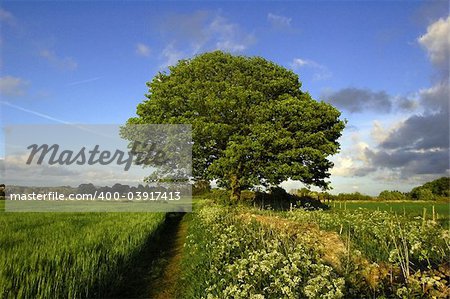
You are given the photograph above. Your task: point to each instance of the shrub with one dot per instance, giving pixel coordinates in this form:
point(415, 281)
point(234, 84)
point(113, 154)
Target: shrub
point(391, 195)
point(421, 193)
point(201, 187)
point(352, 196)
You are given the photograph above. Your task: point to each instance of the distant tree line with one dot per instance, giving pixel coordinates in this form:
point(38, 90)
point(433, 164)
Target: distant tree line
point(325, 196)
point(434, 190)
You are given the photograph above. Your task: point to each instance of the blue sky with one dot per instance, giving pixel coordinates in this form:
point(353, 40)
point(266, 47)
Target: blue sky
point(383, 63)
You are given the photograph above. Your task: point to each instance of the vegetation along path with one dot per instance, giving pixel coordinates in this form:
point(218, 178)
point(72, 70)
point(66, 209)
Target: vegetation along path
point(165, 286)
point(156, 269)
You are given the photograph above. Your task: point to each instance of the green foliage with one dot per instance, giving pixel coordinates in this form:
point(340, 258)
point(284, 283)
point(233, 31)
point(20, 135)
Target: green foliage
point(239, 253)
point(421, 193)
point(2, 191)
point(201, 187)
point(410, 208)
point(302, 192)
point(391, 195)
point(66, 255)
point(86, 189)
point(373, 233)
point(251, 123)
point(351, 196)
point(432, 190)
point(440, 187)
point(279, 199)
point(405, 254)
point(227, 257)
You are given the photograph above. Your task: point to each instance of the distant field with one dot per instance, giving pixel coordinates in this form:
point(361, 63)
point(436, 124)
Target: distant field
point(411, 208)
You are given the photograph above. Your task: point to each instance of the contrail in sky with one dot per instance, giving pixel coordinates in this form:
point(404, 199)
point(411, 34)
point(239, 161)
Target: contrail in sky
point(81, 127)
point(35, 113)
point(83, 81)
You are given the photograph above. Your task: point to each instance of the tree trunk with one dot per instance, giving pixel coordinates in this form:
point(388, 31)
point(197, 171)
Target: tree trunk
point(235, 189)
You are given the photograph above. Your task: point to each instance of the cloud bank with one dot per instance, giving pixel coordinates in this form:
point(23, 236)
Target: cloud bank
point(417, 147)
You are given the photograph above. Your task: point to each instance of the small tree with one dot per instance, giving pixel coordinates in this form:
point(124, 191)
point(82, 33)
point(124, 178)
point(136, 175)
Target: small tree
point(251, 123)
point(2, 191)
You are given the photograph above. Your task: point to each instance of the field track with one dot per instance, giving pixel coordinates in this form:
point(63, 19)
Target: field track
point(155, 273)
point(164, 287)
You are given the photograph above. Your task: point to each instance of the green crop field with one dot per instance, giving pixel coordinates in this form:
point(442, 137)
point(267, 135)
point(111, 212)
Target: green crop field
point(411, 208)
point(69, 255)
point(228, 251)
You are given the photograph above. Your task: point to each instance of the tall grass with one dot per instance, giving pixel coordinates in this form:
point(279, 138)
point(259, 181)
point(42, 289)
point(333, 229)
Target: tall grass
point(50, 255)
point(395, 255)
point(405, 208)
point(378, 233)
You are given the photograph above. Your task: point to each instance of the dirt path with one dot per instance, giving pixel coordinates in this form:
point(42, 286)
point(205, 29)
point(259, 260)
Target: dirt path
point(155, 272)
point(165, 286)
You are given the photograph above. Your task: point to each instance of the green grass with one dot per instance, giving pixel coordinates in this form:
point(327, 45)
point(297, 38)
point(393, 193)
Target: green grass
point(377, 233)
point(408, 208)
point(69, 255)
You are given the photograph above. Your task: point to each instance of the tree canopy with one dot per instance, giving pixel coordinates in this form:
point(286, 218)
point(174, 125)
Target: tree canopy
point(428, 191)
point(391, 195)
point(251, 123)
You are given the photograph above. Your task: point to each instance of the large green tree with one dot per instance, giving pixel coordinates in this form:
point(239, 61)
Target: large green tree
point(251, 123)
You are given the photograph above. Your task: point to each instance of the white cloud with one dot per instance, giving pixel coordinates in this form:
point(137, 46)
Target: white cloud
point(342, 166)
point(437, 42)
point(6, 17)
point(200, 32)
point(320, 71)
point(380, 132)
point(353, 160)
point(143, 50)
point(279, 20)
point(298, 63)
point(13, 86)
point(66, 63)
point(171, 55)
point(228, 36)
